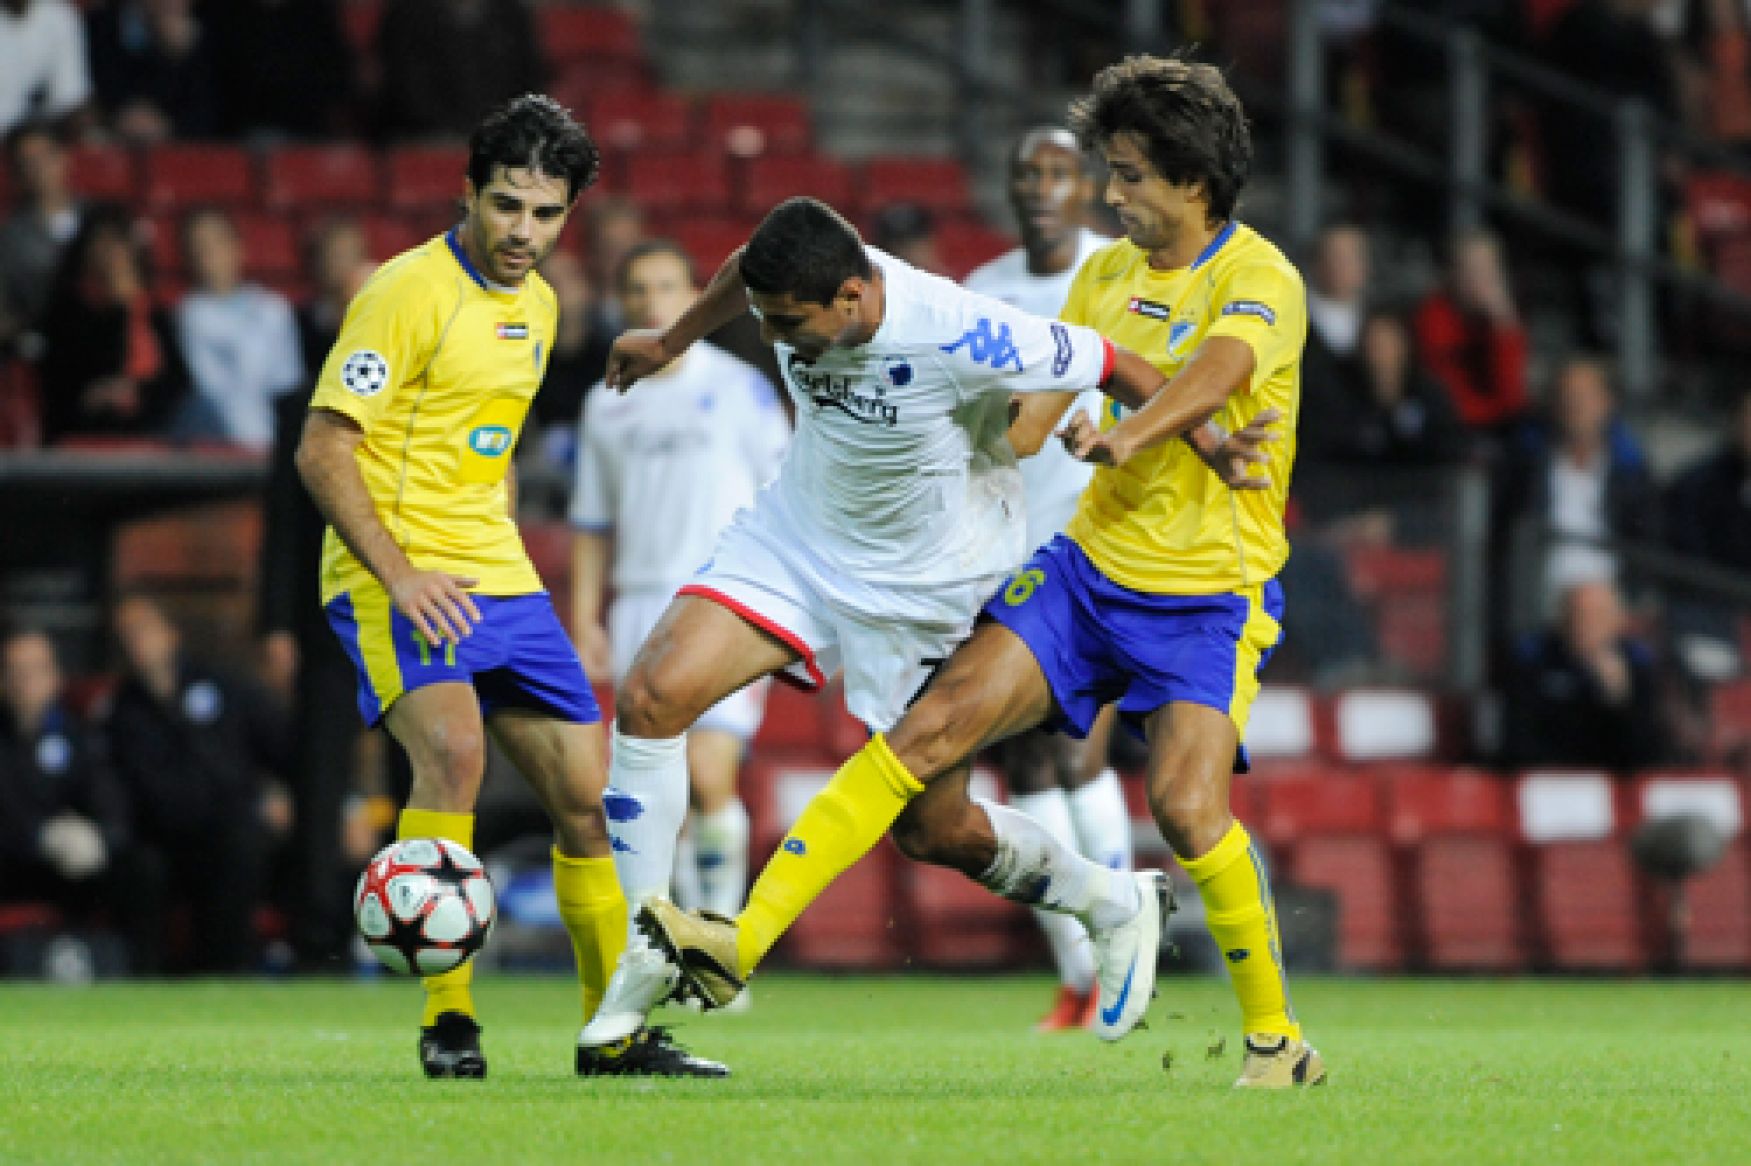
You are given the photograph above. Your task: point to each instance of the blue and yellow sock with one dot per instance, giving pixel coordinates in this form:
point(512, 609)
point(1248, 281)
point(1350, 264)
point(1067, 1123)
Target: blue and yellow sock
point(451, 991)
point(836, 828)
point(594, 912)
point(1239, 912)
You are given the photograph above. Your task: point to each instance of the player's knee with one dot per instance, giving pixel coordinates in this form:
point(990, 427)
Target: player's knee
point(452, 756)
point(646, 705)
point(1189, 813)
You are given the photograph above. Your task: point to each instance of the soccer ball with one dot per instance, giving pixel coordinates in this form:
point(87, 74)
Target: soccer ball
point(424, 905)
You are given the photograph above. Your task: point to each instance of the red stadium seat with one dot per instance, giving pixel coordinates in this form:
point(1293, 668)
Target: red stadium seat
point(748, 125)
point(322, 176)
point(550, 549)
point(579, 85)
point(21, 416)
point(937, 183)
point(966, 245)
point(709, 241)
point(570, 33)
point(270, 246)
point(360, 20)
point(425, 177)
point(185, 176)
point(1717, 927)
point(670, 183)
point(796, 721)
point(103, 173)
point(388, 235)
point(642, 120)
point(1458, 829)
point(1333, 834)
point(768, 181)
point(1719, 206)
point(1407, 592)
point(1586, 907)
point(1730, 724)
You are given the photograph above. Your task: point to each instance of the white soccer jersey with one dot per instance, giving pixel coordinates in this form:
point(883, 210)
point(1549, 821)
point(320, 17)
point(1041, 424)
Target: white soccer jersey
point(668, 465)
point(1054, 480)
point(900, 473)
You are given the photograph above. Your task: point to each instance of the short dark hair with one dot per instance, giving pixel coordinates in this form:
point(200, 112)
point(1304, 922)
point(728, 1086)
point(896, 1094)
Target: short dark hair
point(536, 132)
point(647, 247)
point(803, 248)
point(1188, 120)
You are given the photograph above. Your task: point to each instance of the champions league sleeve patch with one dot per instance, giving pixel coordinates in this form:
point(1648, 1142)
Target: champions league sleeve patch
point(365, 373)
point(1066, 350)
point(1250, 308)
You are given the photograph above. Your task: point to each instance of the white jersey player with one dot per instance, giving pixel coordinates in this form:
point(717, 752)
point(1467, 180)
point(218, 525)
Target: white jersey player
point(659, 475)
point(1064, 785)
point(895, 514)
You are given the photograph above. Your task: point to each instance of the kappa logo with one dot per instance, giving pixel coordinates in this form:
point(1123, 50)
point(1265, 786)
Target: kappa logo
point(994, 349)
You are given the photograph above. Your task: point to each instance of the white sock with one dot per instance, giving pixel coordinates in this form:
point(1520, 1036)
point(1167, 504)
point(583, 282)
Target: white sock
point(1067, 938)
point(646, 802)
point(720, 841)
point(1103, 821)
point(1034, 868)
point(686, 877)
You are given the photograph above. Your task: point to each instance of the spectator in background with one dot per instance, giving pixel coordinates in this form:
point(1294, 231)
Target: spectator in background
point(612, 227)
point(240, 339)
point(111, 364)
point(1585, 692)
point(1708, 517)
point(1470, 337)
point(908, 230)
point(447, 62)
point(284, 68)
point(153, 66)
point(33, 237)
point(580, 357)
point(63, 819)
point(1331, 367)
point(1582, 480)
point(44, 72)
point(337, 263)
point(190, 745)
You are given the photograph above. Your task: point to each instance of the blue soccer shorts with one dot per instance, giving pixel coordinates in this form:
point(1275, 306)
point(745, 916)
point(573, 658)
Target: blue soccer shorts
point(517, 656)
point(1098, 642)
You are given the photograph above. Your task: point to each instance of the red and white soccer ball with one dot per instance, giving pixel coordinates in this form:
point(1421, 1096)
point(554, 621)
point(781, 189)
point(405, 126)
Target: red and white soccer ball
point(424, 905)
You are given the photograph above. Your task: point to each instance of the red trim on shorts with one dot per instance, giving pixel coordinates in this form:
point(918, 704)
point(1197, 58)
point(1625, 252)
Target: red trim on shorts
point(1108, 362)
point(789, 638)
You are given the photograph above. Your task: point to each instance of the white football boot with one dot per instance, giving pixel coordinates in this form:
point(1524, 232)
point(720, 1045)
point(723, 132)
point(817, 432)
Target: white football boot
point(1126, 958)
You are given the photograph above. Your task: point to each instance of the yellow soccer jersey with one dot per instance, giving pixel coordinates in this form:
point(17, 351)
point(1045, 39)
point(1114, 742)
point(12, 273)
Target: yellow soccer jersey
point(439, 367)
point(1163, 523)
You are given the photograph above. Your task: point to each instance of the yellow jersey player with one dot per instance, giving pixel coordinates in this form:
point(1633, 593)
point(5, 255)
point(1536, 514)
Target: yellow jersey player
point(1161, 595)
point(407, 451)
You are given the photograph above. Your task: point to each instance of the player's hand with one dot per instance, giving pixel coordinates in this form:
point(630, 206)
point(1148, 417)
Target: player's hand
point(1239, 459)
point(1086, 443)
point(637, 353)
point(437, 604)
point(595, 650)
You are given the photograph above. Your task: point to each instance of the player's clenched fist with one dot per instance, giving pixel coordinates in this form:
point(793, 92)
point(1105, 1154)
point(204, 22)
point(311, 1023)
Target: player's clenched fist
point(1083, 438)
point(437, 604)
point(636, 354)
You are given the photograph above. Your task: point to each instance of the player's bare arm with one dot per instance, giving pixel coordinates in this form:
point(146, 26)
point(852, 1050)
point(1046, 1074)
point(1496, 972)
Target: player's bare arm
point(1230, 456)
point(1222, 366)
point(640, 352)
point(435, 602)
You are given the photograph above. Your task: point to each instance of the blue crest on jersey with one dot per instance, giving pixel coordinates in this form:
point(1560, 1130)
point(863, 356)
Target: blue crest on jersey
point(899, 373)
point(1178, 333)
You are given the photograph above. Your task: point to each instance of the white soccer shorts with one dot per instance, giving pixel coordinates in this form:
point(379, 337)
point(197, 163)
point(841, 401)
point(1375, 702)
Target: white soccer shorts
point(631, 617)
point(886, 639)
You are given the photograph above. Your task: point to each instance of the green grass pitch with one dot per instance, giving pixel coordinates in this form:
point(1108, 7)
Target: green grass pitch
point(894, 1069)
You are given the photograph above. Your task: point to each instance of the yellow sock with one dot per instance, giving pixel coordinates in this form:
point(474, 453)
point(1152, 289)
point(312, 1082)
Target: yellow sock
point(1239, 912)
point(836, 828)
point(594, 912)
point(449, 992)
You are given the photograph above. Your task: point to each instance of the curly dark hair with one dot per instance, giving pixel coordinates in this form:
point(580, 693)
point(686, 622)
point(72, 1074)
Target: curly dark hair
point(538, 133)
point(805, 249)
point(1189, 122)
